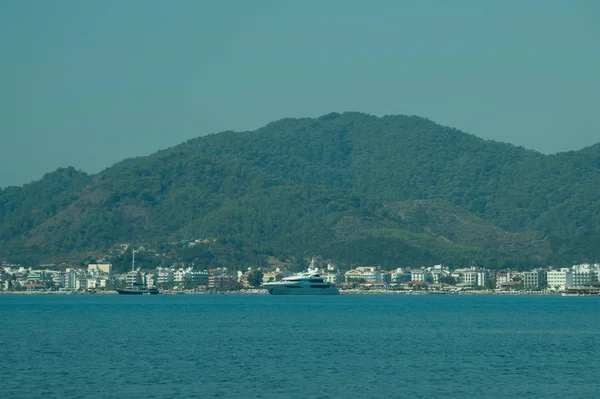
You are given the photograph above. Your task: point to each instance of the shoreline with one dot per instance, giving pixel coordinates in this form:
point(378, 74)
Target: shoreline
point(264, 292)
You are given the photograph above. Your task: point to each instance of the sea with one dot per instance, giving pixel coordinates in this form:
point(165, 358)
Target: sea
point(261, 346)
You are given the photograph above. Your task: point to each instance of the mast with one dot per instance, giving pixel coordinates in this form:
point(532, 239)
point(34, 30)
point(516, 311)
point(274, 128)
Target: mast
point(311, 267)
point(133, 260)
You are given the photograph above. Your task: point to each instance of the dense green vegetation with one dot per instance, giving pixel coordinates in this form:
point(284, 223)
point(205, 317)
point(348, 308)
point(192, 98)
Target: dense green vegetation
point(394, 191)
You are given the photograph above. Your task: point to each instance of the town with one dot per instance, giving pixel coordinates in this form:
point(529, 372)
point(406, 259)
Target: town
point(100, 277)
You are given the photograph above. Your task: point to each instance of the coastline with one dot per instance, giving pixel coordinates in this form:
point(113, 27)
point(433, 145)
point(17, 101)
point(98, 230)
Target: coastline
point(264, 292)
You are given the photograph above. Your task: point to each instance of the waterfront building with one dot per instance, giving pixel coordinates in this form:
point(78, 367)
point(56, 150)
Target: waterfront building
point(242, 278)
point(503, 277)
point(332, 278)
point(482, 278)
point(101, 281)
point(470, 277)
point(270, 276)
point(188, 274)
point(368, 274)
point(180, 275)
point(400, 276)
point(58, 278)
point(70, 280)
point(420, 275)
point(222, 282)
point(38, 276)
point(34, 286)
point(164, 275)
point(92, 283)
point(134, 278)
point(100, 268)
point(512, 285)
point(386, 277)
point(81, 283)
point(559, 279)
point(197, 277)
point(534, 279)
point(150, 280)
point(438, 271)
point(592, 269)
point(581, 278)
point(276, 275)
point(473, 276)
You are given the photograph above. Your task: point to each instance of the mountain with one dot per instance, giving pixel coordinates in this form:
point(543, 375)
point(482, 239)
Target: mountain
point(592, 149)
point(22, 209)
point(393, 190)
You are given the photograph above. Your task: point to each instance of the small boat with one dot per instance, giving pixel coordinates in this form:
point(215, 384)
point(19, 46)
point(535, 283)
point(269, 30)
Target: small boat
point(136, 288)
point(137, 291)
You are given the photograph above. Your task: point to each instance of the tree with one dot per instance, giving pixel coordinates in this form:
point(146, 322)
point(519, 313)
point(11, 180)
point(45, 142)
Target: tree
point(255, 278)
point(447, 280)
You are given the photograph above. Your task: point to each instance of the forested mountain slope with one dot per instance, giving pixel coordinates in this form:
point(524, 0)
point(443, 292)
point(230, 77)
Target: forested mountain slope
point(354, 187)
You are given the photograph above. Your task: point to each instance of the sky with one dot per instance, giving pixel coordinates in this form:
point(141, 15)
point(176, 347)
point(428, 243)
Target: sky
point(89, 83)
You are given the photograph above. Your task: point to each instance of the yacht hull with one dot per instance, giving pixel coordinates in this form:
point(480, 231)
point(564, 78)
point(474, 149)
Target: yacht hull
point(134, 291)
point(282, 290)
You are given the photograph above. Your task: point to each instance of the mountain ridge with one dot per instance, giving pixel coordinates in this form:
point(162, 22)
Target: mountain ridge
point(284, 188)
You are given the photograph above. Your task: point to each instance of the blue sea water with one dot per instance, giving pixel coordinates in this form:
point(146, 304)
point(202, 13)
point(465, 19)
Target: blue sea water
point(348, 346)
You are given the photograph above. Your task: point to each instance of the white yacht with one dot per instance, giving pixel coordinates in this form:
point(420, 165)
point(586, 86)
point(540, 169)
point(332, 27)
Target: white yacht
point(309, 283)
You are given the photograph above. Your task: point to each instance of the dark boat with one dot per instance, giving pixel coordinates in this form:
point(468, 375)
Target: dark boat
point(137, 291)
point(136, 288)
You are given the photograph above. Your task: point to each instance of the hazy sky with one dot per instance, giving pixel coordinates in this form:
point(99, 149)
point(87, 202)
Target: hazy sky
point(88, 83)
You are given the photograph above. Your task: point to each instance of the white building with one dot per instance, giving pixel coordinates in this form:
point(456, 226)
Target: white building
point(134, 278)
point(150, 280)
point(81, 283)
point(503, 277)
point(70, 280)
point(180, 275)
point(559, 279)
point(164, 275)
point(368, 274)
point(267, 276)
point(473, 276)
point(198, 277)
point(534, 279)
point(92, 283)
point(438, 271)
point(592, 269)
point(420, 275)
point(581, 277)
point(332, 277)
point(59, 278)
point(101, 268)
point(400, 276)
